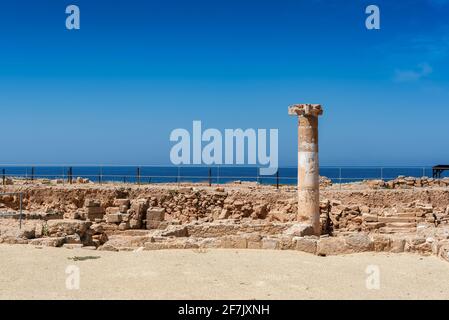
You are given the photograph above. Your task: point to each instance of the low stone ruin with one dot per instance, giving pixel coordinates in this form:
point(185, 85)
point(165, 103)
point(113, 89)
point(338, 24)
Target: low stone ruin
point(117, 218)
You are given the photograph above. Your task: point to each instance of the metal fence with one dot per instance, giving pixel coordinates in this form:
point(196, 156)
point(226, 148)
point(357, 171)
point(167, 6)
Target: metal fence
point(204, 174)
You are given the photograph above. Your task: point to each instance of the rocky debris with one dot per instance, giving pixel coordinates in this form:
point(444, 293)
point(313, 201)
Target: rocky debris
point(402, 182)
point(81, 180)
point(13, 235)
point(73, 231)
point(325, 182)
point(252, 217)
point(65, 227)
point(376, 183)
point(345, 217)
point(52, 232)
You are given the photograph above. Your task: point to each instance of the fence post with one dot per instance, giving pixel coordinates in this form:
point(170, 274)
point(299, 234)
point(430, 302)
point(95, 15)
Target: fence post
point(32, 173)
point(4, 176)
point(277, 179)
point(69, 175)
point(210, 177)
point(218, 175)
point(20, 211)
point(339, 176)
point(138, 176)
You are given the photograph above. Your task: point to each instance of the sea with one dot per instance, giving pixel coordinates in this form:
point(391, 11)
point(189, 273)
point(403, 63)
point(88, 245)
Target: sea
point(208, 174)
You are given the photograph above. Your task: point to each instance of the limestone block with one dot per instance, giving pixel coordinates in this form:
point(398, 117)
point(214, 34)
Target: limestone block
point(121, 202)
point(156, 214)
point(112, 210)
point(175, 231)
point(359, 242)
point(299, 230)
point(123, 226)
point(332, 246)
point(95, 213)
point(211, 243)
point(72, 215)
point(48, 242)
point(370, 217)
point(153, 224)
point(308, 245)
point(270, 243)
point(235, 242)
point(73, 239)
point(114, 218)
point(381, 242)
point(91, 203)
point(397, 245)
point(254, 244)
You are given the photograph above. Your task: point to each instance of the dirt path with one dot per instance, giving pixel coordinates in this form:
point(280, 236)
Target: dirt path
point(30, 273)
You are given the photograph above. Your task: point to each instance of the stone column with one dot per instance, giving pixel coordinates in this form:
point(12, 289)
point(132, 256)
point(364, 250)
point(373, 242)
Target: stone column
point(308, 167)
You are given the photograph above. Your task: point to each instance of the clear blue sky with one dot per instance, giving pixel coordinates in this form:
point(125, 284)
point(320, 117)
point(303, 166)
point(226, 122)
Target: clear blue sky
point(112, 92)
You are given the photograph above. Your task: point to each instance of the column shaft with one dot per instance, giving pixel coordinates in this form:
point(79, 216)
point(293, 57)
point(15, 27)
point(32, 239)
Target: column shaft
point(308, 171)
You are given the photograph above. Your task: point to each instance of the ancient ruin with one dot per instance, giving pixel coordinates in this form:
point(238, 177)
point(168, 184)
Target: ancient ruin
point(308, 164)
point(355, 217)
point(404, 214)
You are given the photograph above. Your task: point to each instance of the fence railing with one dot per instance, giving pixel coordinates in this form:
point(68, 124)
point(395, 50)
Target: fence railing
point(210, 175)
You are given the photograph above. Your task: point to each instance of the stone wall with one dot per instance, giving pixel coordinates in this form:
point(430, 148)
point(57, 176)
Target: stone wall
point(128, 218)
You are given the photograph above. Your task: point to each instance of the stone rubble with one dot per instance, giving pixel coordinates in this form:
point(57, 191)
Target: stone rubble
point(249, 217)
point(403, 182)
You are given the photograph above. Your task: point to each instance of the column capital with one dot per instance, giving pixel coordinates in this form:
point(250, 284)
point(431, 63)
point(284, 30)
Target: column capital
point(305, 109)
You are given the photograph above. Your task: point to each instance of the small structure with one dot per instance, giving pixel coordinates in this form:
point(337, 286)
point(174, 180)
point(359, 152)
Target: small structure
point(308, 167)
point(438, 170)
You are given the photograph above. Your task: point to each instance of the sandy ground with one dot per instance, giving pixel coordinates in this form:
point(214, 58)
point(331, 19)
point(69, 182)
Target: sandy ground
point(30, 273)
